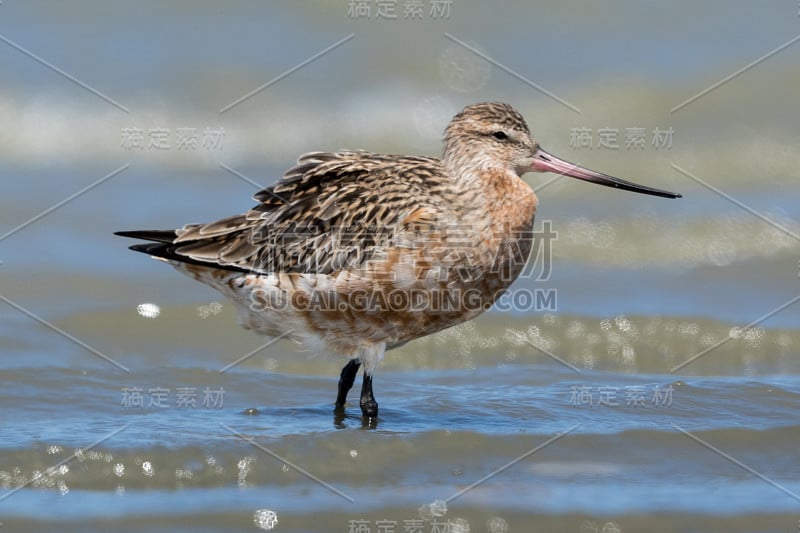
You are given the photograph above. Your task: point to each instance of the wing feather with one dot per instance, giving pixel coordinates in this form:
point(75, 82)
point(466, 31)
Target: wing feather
point(330, 211)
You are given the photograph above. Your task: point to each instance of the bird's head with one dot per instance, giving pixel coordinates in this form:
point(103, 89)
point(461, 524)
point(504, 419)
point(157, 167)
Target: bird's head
point(493, 136)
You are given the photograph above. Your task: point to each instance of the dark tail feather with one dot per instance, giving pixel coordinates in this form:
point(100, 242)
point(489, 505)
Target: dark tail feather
point(160, 244)
point(164, 250)
point(153, 235)
point(162, 247)
point(151, 248)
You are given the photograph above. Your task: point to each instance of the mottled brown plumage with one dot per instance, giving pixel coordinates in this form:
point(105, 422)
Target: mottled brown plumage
point(355, 252)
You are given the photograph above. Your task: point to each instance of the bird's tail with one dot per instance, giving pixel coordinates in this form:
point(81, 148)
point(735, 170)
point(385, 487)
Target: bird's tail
point(152, 235)
point(160, 245)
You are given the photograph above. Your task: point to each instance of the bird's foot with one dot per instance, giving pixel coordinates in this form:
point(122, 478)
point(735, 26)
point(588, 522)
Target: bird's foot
point(369, 408)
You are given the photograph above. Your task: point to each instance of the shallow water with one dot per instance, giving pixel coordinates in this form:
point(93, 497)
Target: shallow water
point(658, 390)
point(632, 439)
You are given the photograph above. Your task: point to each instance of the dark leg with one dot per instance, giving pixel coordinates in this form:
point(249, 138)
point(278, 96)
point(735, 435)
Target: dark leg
point(369, 407)
point(346, 381)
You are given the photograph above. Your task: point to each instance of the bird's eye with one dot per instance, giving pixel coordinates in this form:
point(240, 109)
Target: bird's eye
point(500, 135)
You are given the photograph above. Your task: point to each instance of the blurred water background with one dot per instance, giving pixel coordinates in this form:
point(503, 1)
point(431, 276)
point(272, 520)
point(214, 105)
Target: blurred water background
point(641, 285)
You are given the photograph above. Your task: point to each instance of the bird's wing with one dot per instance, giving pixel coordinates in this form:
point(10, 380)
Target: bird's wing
point(331, 211)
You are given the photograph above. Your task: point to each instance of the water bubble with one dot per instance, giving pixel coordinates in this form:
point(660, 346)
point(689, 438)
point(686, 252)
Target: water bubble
point(753, 336)
point(459, 525)
point(62, 488)
point(497, 525)
point(708, 339)
point(622, 322)
point(53, 450)
point(688, 329)
point(205, 311)
point(119, 469)
point(265, 519)
point(610, 527)
point(353, 454)
point(516, 337)
point(462, 70)
point(37, 478)
point(147, 469)
point(94, 455)
point(183, 473)
point(148, 310)
point(244, 468)
point(487, 343)
point(433, 510)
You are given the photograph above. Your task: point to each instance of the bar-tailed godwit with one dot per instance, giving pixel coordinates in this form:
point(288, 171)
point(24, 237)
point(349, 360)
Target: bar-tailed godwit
point(354, 252)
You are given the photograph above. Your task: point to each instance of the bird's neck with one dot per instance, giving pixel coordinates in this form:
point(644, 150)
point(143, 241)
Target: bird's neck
point(495, 186)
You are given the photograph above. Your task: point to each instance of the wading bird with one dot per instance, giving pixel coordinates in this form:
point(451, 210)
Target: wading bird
point(355, 253)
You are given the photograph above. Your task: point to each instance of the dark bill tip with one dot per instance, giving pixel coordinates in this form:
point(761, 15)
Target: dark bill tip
point(546, 162)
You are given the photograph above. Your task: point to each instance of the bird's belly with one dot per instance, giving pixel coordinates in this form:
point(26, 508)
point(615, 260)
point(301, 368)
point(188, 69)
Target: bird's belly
point(392, 316)
point(395, 299)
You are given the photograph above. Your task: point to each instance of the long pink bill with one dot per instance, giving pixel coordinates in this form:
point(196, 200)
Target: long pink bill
point(546, 162)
